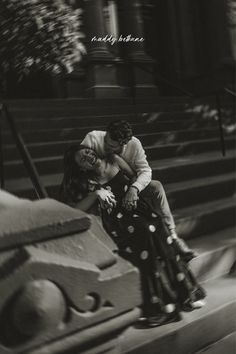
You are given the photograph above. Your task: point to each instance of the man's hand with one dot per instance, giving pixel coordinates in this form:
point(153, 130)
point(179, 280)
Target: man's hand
point(130, 199)
point(106, 198)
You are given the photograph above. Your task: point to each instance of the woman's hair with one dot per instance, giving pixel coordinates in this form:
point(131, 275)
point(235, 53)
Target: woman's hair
point(74, 185)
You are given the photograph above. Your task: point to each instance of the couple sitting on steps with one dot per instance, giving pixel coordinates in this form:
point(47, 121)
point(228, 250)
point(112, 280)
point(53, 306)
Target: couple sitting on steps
point(111, 167)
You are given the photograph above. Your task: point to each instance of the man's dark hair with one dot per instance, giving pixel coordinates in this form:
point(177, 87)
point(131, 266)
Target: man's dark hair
point(120, 131)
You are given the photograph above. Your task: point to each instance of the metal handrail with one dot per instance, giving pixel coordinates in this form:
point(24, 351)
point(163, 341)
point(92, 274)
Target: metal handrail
point(217, 100)
point(187, 93)
point(219, 113)
point(2, 179)
point(220, 123)
point(26, 157)
point(227, 90)
point(170, 83)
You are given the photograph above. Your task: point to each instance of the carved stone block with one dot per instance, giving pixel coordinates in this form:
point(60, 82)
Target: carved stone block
point(61, 290)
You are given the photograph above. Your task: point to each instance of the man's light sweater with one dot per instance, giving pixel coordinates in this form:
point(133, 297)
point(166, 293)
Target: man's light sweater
point(133, 153)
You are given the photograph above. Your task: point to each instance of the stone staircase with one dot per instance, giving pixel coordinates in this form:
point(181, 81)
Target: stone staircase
point(181, 139)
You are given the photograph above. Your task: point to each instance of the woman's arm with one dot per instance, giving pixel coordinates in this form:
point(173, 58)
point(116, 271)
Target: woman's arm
point(86, 203)
point(105, 197)
point(124, 166)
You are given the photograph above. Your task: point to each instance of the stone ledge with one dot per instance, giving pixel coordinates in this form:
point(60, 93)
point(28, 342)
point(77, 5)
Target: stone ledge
point(23, 221)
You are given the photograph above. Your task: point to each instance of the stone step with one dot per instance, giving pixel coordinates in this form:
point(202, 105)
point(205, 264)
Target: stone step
point(216, 254)
point(190, 167)
point(170, 171)
point(192, 221)
point(224, 345)
point(23, 187)
point(186, 148)
point(71, 121)
point(61, 102)
point(182, 194)
point(205, 218)
point(166, 141)
point(46, 165)
point(161, 135)
point(151, 116)
point(198, 113)
point(187, 120)
point(68, 109)
point(195, 331)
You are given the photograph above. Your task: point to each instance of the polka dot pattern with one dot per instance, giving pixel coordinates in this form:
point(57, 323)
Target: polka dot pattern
point(169, 240)
point(135, 216)
point(180, 276)
point(128, 250)
point(152, 228)
point(144, 255)
point(130, 229)
point(125, 188)
point(154, 215)
point(154, 299)
point(169, 308)
point(114, 233)
point(119, 215)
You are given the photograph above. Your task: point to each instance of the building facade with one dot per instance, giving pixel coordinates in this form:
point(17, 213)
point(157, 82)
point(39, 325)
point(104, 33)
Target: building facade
point(143, 48)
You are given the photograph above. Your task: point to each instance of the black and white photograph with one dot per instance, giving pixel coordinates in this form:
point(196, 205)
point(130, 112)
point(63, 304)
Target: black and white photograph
point(117, 177)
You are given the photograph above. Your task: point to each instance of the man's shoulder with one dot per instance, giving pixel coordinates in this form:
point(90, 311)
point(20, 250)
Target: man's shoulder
point(96, 133)
point(132, 147)
point(134, 141)
point(95, 137)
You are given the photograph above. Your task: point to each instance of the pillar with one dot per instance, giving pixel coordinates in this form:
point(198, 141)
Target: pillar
point(142, 64)
point(102, 70)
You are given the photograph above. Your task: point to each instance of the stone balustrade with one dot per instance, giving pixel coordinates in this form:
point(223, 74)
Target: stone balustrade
point(62, 286)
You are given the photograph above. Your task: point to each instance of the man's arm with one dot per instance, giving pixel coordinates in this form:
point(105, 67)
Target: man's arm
point(89, 141)
point(95, 141)
point(142, 168)
point(124, 166)
point(144, 176)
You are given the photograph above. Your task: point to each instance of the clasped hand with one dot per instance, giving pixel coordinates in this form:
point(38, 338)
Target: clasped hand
point(130, 199)
point(106, 198)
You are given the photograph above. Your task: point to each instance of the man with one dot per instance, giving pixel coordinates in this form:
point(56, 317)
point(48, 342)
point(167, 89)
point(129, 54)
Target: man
point(118, 139)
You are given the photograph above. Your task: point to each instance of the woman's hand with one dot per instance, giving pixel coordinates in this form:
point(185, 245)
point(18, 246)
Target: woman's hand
point(106, 198)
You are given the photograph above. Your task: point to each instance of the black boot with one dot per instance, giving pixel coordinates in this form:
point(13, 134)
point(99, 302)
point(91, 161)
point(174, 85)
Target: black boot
point(161, 319)
point(183, 249)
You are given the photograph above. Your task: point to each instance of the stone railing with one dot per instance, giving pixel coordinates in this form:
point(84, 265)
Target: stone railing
point(63, 288)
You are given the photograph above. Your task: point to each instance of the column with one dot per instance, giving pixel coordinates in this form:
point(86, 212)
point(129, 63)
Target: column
point(95, 30)
point(188, 36)
point(102, 70)
point(142, 64)
point(231, 22)
point(133, 25)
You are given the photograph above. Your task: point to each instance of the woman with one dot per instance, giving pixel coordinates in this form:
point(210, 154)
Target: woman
point(168, 285)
